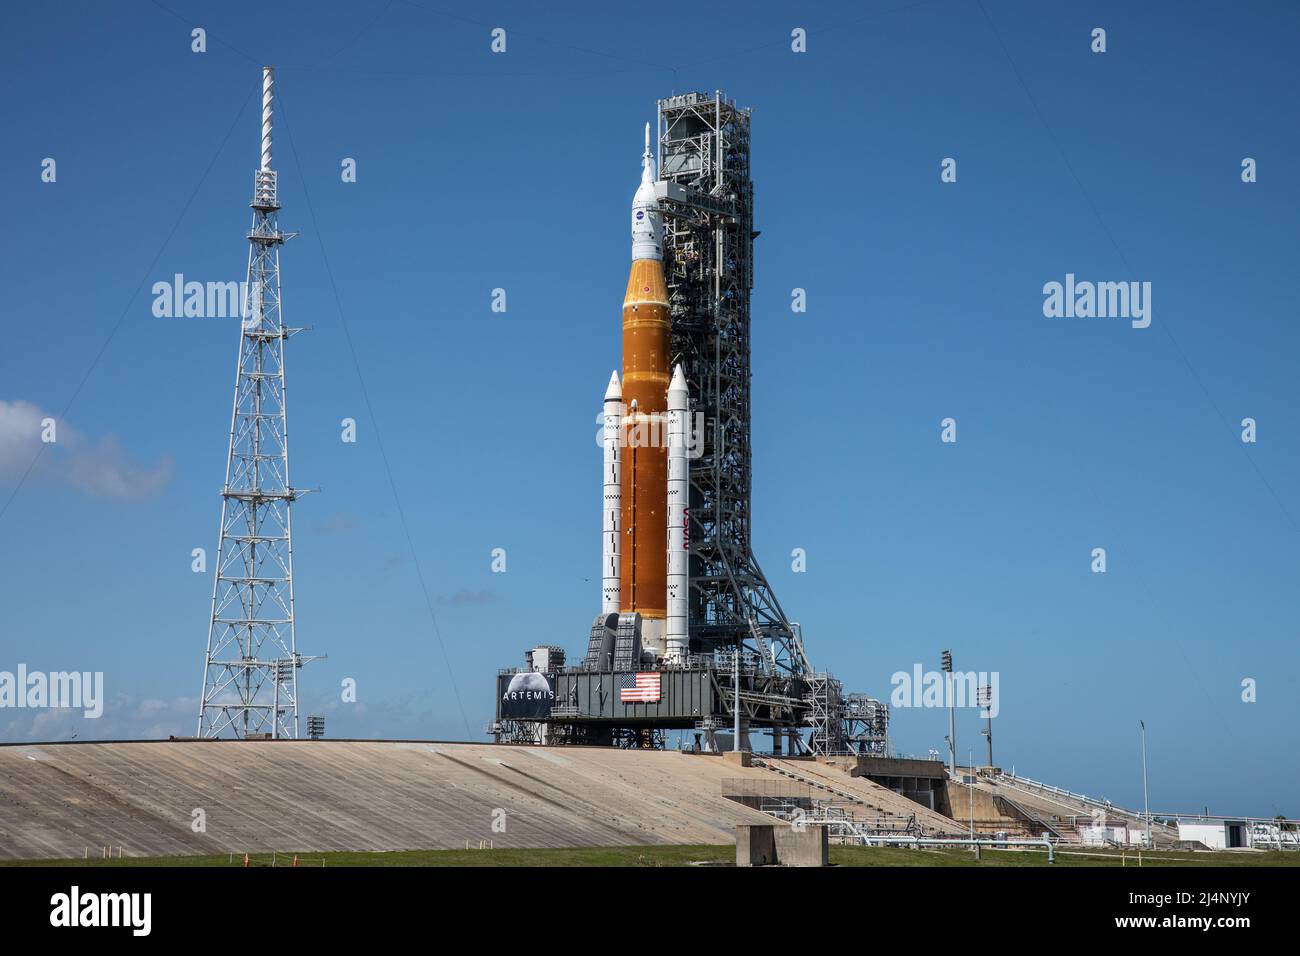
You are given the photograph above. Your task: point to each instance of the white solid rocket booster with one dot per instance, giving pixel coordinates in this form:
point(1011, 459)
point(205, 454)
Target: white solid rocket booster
point(678, 637)
point(612, 505)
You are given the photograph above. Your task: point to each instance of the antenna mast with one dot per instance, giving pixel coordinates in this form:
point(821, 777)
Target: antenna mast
point(250, 670)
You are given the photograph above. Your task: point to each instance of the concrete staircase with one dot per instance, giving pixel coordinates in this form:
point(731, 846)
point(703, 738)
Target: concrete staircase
point(1036, 823)
point(1057, 809)
point(897, 812)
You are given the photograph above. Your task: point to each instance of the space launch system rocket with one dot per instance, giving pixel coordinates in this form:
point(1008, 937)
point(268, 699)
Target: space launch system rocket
point(643, 565)
point(645, 426)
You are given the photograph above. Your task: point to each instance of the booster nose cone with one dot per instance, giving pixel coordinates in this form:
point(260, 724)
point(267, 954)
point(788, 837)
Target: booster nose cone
point(615, 391)
point(679, 395)
point(646, 216)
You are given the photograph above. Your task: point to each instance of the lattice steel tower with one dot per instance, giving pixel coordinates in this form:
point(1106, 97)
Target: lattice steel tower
point(708, 202)
point(250, 671)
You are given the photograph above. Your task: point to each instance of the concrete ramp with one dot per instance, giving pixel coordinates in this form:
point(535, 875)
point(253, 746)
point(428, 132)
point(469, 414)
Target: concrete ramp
point(58, 799)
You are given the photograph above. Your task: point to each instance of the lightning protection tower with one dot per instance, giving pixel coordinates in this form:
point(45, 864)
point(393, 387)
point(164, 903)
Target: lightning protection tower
point(250, 670)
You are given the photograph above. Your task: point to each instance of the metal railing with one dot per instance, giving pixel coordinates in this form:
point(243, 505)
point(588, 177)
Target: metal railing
point(1037, 786)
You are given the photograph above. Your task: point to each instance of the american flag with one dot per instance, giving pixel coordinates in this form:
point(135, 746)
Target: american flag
point(638, 688)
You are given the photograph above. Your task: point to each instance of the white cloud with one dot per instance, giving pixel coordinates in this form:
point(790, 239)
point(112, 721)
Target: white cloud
point(100, 468)
point(20, 436)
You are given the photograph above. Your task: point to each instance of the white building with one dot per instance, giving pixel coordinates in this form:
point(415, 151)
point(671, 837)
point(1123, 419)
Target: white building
point(1216, 834)
point(1111, 833)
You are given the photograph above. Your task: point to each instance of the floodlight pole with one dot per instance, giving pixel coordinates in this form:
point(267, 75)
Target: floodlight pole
point(986, 701)
point(1146, 803)
point(946, 658)
point(971, 787)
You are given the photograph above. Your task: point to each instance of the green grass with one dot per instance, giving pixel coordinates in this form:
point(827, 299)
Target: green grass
point(689, 855)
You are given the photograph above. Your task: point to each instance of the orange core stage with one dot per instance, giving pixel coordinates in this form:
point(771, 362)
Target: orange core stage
point(643, 567)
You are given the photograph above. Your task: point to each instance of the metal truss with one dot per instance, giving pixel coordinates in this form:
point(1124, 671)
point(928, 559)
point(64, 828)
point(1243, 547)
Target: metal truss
point(866, 725)
point(250, 670)
point(707, 197)
point(825, 715)
point(767, 699)
point(509, 731)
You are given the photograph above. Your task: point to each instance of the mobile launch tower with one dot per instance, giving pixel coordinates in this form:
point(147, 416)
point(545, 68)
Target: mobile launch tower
point(707, 199)
point(744, 665)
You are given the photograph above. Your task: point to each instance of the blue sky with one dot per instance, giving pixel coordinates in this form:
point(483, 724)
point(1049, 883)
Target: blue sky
point(478, 170)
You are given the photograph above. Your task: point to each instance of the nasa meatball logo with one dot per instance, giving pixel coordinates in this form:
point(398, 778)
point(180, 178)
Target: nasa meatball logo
point(640, 214)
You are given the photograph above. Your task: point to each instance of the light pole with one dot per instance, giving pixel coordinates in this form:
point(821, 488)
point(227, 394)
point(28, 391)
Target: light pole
point(986, 701)
point(1146, 803)
point(971, 787)
point(946, 658)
